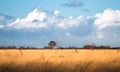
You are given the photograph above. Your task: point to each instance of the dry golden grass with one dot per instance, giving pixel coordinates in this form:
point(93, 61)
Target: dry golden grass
point(65, 60)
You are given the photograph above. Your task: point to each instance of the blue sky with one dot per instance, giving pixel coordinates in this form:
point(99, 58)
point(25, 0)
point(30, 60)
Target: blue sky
point(70, 22)
point(20, 8)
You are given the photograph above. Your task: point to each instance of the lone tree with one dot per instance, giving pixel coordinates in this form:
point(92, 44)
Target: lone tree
point(51, 44)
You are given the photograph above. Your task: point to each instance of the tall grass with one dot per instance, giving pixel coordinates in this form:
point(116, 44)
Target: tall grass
point(60, 60)
point(111, 66)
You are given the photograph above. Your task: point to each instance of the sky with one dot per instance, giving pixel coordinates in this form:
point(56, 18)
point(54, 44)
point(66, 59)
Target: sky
point(68, 22)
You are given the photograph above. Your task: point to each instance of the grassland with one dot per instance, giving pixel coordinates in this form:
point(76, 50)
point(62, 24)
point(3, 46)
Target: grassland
point(58, 60)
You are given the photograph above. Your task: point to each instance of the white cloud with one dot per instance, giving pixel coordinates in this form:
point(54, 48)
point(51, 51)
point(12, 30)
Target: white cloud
point(103, 28)
point(107, 27)
point(69, 22)
point(56, 12)
point(41, 19)
point(33, 20)
point(36, 14)
point(108, 18)
point(1, 26)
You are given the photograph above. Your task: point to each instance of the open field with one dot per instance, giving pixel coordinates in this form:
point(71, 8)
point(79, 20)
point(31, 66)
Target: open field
point(58, 60)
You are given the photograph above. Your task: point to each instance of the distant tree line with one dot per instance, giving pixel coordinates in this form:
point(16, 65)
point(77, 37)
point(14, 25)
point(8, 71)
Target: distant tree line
point(14, 47)
point(72, 47)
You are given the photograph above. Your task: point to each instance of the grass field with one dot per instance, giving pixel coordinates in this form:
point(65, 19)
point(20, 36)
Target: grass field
point(60, 60)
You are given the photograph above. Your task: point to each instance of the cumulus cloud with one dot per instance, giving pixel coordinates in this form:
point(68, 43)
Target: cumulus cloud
point(40, 19)
point(33, 20)
point(108, 18)
point(70, 22)
point(107, 27)
point(103, 28)
point(73, 4)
